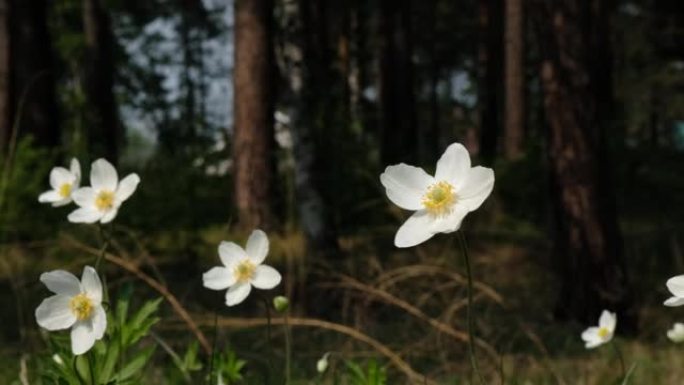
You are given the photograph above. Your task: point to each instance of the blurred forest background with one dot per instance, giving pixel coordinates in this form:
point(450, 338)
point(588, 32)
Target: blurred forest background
point(281, 114)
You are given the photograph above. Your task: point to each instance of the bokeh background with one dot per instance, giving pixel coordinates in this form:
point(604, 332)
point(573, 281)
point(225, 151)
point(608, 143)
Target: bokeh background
point(281, 115)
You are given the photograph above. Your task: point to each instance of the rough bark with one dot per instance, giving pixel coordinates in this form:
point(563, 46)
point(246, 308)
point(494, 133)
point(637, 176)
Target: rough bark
point(253, 131)
point(397, 99)
point(102, 117)
point(514, 107)
point(5, 124)
point(588, 244)
point(490, 76)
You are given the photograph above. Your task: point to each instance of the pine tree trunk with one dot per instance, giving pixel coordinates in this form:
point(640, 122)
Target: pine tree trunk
point(588, 252)
point(253, 132)
point(490, 76)
point(514, 109)
point(5, 122)
point(102, 117)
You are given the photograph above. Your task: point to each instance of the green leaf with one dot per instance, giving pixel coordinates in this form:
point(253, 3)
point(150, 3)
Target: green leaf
point(136, 364)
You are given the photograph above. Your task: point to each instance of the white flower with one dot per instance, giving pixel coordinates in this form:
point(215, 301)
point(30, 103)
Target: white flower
point(242, 269)
point(676, 334)
point(322, 364)
point(76, 305)
point(102, 200)
point(601, 334)
point(63, 182)
point(676, 287)
point(440, 202)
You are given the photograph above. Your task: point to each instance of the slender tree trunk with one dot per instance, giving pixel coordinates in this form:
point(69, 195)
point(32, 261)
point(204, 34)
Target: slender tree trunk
point(490, 76)
point(102, 115)
point(397, 100)
point(5, 122)
point(514, 109)
point(587, 238)
point(253, 132)
point(33, 72)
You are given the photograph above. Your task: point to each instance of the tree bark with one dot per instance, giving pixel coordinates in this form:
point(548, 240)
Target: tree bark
point(102, 117)
point(397, 100)
point(32, 86)
point(490, 76)
point(588, 244)
point(514, 108)
point(5, 121)
point(253, 132)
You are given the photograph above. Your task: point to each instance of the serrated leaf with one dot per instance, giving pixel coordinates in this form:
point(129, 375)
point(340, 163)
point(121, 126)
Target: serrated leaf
point(136, 364)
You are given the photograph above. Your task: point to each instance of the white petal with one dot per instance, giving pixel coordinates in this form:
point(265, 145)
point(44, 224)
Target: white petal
point(237, 293)
point(99, 322)
point(417, 229)
point(608, 320)
point(90, 282)
point(82, 337)
point(61, 203)
point(230, 253)
point(61, 282)
point(676, 285)
point(84, 215)
point(127, 187)
point(674, 302)
point(266, 277)
point(218, 278)
point(477, 187)
point(75, 169)
point(50, 197)
point(590, 334)
point(54, 313)
point(103, 175)
point(451, 222)
point(59, 176)
point(257, 246)
point(405, 185)
point(453, 166)
point(593, 344)
point(84, 197)
point(109, 215)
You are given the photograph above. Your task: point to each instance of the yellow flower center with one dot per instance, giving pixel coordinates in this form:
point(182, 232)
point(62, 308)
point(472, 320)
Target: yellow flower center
point(82, 307)
point(104, 200)
point(244, 271)
point(603, 333)
point(65, 190)
point(439, 198)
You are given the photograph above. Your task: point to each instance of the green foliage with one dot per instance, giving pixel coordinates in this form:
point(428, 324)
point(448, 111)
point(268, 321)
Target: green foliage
point(373, 374)
point(229, 367)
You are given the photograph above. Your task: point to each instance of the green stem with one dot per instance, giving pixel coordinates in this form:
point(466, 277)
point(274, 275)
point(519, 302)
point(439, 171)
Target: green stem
point(91, 370)
point(469, 311)
point(618, 353)
point(213, 347)
point(288, 348)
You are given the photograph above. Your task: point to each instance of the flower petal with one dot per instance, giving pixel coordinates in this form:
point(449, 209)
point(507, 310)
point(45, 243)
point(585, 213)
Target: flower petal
point(417, 229)
point(109, 215)
point(90, 282)
point(451, 222)
point(84, 215)
point(103, 175)
point(405, 185)
point(54, 313)
point(61, 282)
point(674, 301)
point(127, 187)
point(59, 176)
point(608, 320)
point(266, 277)
point(230, 253)
point(99, 322)
point(84, 196)
point(237, 293)
point(257, 246)
point(453, 166)
point(590, 334)
point(75, 169)
point(476, 189)
point(218, 278)
point(676, 285)
point(82, 337)
point(50, 197)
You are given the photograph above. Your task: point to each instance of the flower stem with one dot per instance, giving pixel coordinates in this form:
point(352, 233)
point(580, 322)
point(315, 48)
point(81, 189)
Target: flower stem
point(288, 348)
point(105, 244)
point(618, 353)
point(213, 347)
point(469, 311)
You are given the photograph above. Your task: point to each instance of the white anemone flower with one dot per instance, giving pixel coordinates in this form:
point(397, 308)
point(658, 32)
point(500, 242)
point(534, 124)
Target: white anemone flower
point(242, 269)
point(676, 334)
point(102, 200)
point(676, 287)
point(76, 305)
point(440, 202)
point(601, 334)
point(63, 182)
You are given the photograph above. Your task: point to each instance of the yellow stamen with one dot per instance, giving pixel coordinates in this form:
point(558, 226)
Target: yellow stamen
point(603, 333)
point(244, 271)
point(82, 307)
point(439, 198)
point(104, 200)
point(65, 190)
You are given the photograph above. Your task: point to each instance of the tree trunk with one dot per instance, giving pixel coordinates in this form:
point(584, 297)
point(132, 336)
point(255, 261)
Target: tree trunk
point(490, 76)
point(397, 100)
point(5, 121)
point(102, 117)
point(253, 132)
point(587, 238)
point(32, 86)
point(514, 109)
